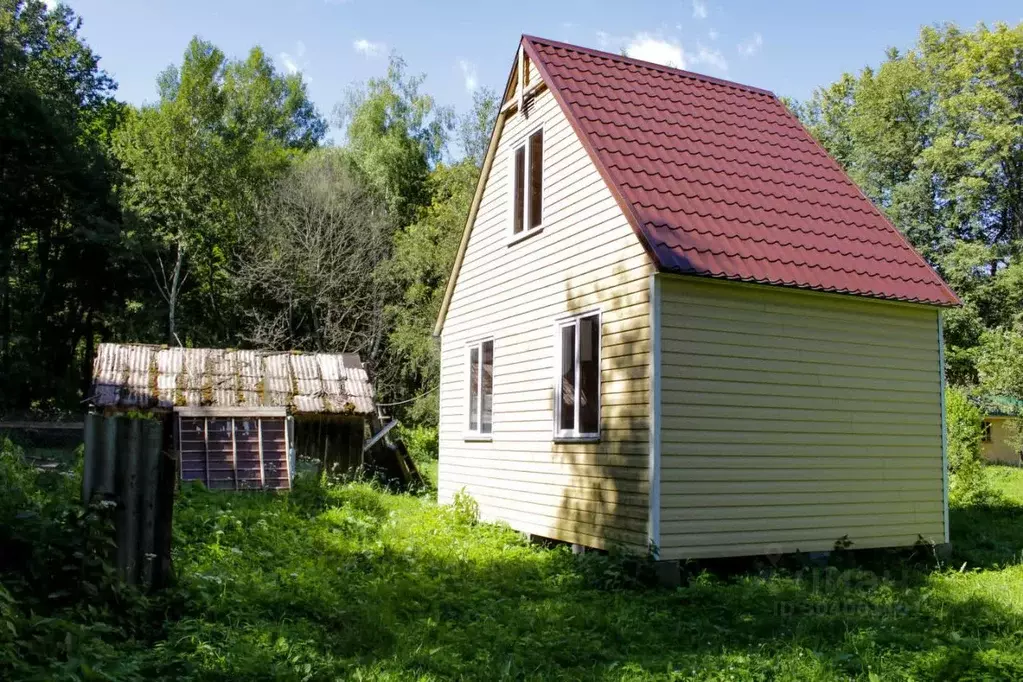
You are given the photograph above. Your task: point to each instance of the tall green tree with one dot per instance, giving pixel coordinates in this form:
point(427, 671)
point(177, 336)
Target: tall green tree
point(418, 271)
point(476, 125)
point(934, 136)
point(396, 134)
point(194, 165)
point(60, 274)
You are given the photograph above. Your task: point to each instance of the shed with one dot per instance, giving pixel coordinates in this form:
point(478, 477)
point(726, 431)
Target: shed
point(241, 417)
point(1001, 418)
point(674, 322)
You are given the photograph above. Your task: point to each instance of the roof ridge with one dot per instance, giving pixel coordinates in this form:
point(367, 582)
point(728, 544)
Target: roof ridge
point(650, 65)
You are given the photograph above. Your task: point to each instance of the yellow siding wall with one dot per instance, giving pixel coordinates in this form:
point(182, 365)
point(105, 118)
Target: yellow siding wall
point(999, 450)
point(586, 257)
point(792, 419)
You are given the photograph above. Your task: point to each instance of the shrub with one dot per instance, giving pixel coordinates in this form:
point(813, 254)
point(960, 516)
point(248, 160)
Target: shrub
point(965, 424)
point(965, 427)
point(62, 608)
point(421, 441)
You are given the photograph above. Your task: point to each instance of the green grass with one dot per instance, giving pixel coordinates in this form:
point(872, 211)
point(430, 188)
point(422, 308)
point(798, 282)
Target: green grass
point(351, 582)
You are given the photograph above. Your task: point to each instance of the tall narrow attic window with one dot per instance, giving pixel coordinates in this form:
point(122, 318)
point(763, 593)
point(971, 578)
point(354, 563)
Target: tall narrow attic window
point(527, 182)
point(481, 389)
point(577, 386)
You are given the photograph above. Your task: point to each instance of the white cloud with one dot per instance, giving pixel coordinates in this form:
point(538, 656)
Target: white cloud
point(652, 49)
point(751, 46)
point(369, 48)
point(699, 9)
point(712, 34)
point(711, 57)
point(290, 65)
point(293, 62)
point(603, 38)
point(469, 73)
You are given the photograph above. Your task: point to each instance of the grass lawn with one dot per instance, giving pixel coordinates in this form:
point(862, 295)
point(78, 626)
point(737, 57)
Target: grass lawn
point(354, 583)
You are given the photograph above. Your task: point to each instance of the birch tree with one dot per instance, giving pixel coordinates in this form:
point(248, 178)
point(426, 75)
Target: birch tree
point(195, 164)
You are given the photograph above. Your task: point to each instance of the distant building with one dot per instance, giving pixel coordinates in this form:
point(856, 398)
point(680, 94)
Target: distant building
point(999, 412)
point(240, 417)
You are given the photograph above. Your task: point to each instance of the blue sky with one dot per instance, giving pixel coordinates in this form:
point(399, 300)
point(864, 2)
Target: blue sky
point(787, 47)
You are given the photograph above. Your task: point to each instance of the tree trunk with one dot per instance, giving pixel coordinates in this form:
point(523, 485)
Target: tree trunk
point(172, 295)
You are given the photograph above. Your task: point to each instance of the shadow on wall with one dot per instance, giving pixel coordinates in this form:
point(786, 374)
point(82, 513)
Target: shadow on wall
point(606, 500)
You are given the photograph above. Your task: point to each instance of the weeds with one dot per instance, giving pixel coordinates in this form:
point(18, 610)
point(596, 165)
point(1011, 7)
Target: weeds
point(347, 581)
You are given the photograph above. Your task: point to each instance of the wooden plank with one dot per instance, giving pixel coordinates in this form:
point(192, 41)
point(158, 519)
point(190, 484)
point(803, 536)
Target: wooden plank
point(287, 451)
point(43, 426)
point(234, 452)
point(262, 475)
point(205, 434)
point(224, 411)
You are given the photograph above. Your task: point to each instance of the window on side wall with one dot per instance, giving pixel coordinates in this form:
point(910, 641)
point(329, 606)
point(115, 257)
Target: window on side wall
point(986, 433)
point(527, 184)
point(577, 385)
point(480, 389)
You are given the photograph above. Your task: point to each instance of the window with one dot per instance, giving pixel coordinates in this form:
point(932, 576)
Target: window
point(481, 388)
point(527, 176)
point(986, 434)
point(233, 453)
point(577, 389)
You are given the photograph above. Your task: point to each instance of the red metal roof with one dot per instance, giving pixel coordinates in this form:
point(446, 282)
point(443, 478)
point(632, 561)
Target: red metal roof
point(722, 180)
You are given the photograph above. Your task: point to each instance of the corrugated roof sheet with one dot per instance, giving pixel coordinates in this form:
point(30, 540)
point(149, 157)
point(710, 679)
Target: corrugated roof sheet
point(147, 376)
point(721, 180)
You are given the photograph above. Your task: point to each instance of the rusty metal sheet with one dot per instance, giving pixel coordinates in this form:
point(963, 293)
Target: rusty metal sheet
point(249, 368)
point(146, 376)
point(306, 372)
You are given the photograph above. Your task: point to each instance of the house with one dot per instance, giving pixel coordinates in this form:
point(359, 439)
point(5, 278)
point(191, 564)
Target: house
point(674, 322)
point(240, 417)
point(996, 444)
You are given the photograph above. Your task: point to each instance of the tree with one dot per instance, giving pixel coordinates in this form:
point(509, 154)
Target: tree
point(935, 138)
point(309, 263)
point(194, 166)
point(417, 273)
point(60, 271)
point(396, 134)
point(475, 127)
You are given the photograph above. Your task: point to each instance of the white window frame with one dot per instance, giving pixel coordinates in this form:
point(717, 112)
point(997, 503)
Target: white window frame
point(574, 434)
point(478, 433)
point(523, 142)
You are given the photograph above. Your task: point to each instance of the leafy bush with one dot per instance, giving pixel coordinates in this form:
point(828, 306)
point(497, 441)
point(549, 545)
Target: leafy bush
point(63, 613)
point(422, 442)
point(965, 428)
point(465, 509)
